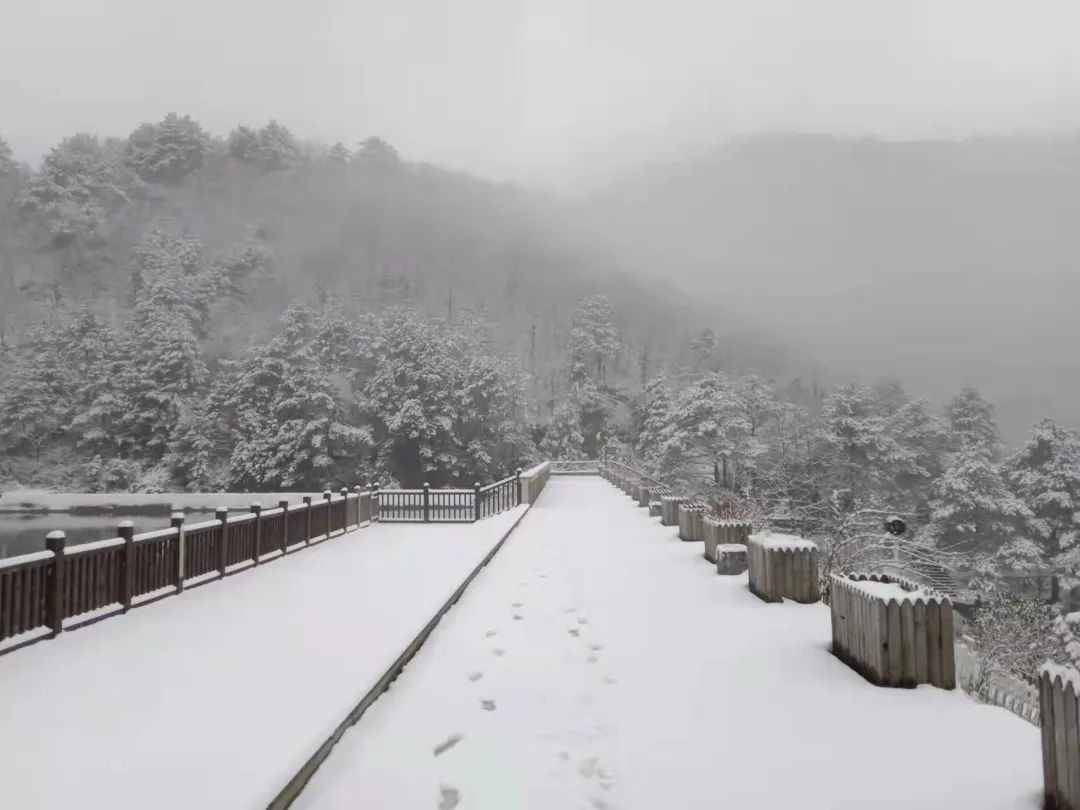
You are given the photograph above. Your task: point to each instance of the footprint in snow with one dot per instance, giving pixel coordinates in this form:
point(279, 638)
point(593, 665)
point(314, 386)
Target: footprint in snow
point(596, 647)
point(574, 632)
point(490, 633)
point(587, 767)
point(518, 617)
point(592, 659)
point(447, 744)
point(449, 797)
point(517, 604)
point(487, 705)
point(582, 620)
point(498, 652)
point(609, 680)
point(475, 676)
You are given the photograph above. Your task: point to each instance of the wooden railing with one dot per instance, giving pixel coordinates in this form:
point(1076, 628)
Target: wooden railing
point(44, 592)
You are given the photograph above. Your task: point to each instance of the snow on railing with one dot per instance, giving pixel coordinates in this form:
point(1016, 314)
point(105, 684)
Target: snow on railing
point(584, 467)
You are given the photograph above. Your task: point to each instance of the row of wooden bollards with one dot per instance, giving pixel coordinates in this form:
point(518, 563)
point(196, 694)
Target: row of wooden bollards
point(892, 631)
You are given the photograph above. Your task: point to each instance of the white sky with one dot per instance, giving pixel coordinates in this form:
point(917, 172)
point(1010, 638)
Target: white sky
point(523, 88)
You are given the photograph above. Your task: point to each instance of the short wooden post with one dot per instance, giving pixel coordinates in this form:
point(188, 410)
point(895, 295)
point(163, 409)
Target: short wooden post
point(256, 509)
point(307, 510)
point(222, 514)
point(126, 530)
point(176, 520)
point(344, 509)
point(517, 485)
point(56, 542)
point(359, 492)
point(328, 496)
point(427, 502)
point(375, 501)
point(283, 505)
point(476, 502)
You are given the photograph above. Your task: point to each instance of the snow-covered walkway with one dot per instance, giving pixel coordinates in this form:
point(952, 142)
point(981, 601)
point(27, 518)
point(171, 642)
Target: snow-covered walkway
point(599, 663)
point(215, 698)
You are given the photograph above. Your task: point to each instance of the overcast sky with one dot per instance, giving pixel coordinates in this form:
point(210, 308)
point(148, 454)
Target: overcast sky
point(519, 88)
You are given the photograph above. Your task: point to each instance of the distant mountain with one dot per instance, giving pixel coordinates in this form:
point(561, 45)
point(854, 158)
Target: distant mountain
point(939, 262)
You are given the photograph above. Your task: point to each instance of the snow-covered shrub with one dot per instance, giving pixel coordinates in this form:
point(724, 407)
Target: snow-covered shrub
point(1013, 636)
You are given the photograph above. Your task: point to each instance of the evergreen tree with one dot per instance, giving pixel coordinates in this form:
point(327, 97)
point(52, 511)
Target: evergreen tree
point(277, 147)
point(167, 151)
point(563, 440)
point(1045, 474)
point(243, 144)
point(972, 510)
point(655, 418)
point(593, 338)
point(971, 423)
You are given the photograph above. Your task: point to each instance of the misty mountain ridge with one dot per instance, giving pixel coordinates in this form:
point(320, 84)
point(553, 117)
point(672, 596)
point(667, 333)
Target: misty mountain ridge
point(941, 262)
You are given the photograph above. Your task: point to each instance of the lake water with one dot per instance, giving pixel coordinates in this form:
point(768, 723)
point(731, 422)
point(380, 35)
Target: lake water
point(25, 533)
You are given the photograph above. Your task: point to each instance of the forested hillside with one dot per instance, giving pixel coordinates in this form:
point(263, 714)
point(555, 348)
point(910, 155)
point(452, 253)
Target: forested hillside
point(253, 312)
point(142, 281)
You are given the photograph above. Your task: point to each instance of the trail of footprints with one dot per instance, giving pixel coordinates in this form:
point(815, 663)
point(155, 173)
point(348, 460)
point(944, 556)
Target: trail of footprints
point(589, 768)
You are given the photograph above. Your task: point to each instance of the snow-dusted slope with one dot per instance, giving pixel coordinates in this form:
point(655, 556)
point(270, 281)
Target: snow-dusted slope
point(215, 698)
point(598, 663)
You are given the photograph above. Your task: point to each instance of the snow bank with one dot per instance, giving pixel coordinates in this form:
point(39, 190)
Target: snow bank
point(234, 684)
point(554, 684)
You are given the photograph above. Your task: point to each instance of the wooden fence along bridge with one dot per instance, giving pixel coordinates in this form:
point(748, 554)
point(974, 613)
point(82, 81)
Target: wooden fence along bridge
point(594, 661)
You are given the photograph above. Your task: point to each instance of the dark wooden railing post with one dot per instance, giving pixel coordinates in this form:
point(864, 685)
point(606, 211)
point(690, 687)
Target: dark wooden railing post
point(345, 509)
point(329, 497)
point(307, 510)
point(256, 508)
point(476, 501)
point(375, 501)
point(427, 502)
point(359, 492)
point(126, 529)
point(283, 505)
point(177, 522)
point(222, 514)
point(56, 542)
point(517, 487)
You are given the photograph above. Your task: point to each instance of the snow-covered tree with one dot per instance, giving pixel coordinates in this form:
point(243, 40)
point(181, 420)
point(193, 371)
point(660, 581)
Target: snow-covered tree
point(593, 338)
point(709, 438)
point(1045, 474)
point(338, 153)
point(655, 417)
point(858, 435)
point(376, 151)
point(74, 188)
point(288, 421)
point(243, 144)
point(277, 147)
point(167, 151)
point(971, 423)
point(563, 439)
point(972, 509)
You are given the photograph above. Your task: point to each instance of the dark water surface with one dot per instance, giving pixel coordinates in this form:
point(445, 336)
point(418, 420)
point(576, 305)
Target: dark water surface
point(24, 533)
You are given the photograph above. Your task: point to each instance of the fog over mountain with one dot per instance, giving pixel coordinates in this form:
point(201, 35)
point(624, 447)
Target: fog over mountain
point(940, 262)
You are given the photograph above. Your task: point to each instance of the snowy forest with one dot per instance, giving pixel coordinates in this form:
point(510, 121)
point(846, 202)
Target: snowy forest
point(183, 311)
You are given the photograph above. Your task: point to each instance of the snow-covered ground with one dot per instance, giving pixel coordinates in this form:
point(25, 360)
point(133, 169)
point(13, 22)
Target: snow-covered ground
point(215, 698)
point(600, 663)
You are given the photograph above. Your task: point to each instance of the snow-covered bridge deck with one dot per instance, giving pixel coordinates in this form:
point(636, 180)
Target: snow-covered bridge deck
point(598, 662)
point(216, 699)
